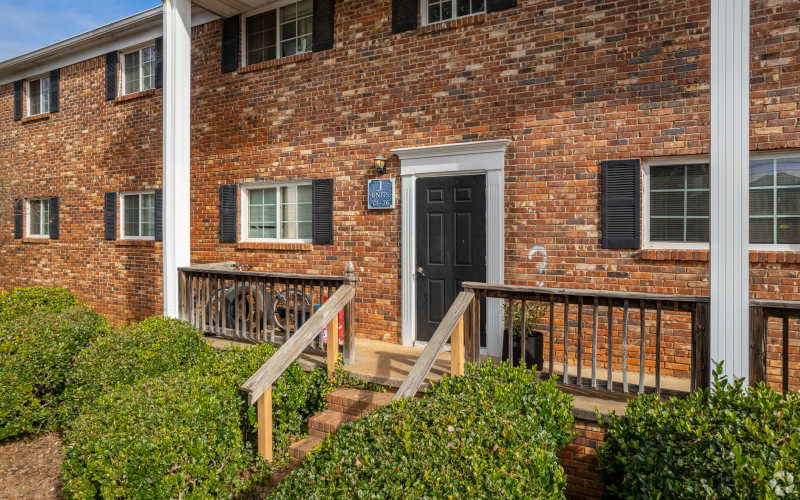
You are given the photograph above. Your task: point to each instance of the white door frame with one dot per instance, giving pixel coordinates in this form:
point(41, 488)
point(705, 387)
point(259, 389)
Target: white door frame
point(481, 157)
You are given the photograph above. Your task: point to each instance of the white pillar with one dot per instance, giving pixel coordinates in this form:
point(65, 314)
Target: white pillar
point(176, 137)
point(730, 113)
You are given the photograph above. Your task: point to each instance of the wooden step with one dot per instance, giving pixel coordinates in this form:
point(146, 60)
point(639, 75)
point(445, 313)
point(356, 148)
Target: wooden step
point(357, 402)
point(322, 424)
point(300, 449)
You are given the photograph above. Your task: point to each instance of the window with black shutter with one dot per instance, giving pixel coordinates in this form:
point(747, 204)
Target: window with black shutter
point(110, 216)
point(158, 232)
point(55, 91)
point(18, 219)
point(227, 213)
point(322, 211)
point(495, 5)
point(111, 75)
point(404, 15)
point(621, 203)
point(323, 25)
point(54, 220)
point(230, 44)
point(18, 100)
point(159, 48)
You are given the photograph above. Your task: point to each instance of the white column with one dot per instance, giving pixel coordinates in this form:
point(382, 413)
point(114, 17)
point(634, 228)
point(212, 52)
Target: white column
point(176, 137)
point(730, 105)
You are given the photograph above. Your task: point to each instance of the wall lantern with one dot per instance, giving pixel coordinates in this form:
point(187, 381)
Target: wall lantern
point(380, 164)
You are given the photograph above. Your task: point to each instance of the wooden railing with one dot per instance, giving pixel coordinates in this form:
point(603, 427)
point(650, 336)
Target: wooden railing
point(762, 350)
point(259, 385)
point(248, 306)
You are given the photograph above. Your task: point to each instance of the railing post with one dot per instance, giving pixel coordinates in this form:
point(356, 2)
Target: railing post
point(457, 349)
point(264, 414)
point(701, 348)
point(349, 332)
point(182, 313)
point(758, 338)
point(333, 344)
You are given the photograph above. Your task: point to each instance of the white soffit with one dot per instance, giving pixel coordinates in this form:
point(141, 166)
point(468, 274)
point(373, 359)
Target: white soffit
point(227, 8)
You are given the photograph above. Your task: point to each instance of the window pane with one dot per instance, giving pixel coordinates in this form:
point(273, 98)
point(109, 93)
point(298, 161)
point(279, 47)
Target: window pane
point(788, 170)
point(45, 217)
point(148, 68)
point(761, 201)
point(434, 12)
point(34, 229)
point(304, 194)
point(761, 173)
point(698, 203)
point(477, 6)
point(666, 229)
point(463, 8)
point(697, 230)
point(34, 99)
point(788, 201)
point(447, 10)
point(148, 214)
point(667, 177)
point(45, 85)
point(789, 230)
point(132, 72)
point(261, 30)
point(305, 231)
point(132, 215)
point(288, 48)
point(761, 230)
point(666, 203)
point(697, 177)
point(261, 213)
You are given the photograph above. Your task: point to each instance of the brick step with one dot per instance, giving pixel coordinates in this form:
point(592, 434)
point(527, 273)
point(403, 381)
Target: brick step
point(322, 424)
point(300, 449)
point(357, 402)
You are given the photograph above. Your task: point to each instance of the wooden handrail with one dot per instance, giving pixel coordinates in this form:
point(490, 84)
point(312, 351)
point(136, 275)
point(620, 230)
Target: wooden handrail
point(451, 324)
point(214, 269)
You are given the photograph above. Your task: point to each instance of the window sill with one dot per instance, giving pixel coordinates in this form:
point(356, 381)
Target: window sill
point(275, 245)
point(36, 241)
point(135, 243)
point(36, 118)
point(453, 23)
point(133, 96)
point(276, 62)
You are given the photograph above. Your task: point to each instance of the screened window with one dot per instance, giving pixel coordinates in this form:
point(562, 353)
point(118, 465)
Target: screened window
point(280, 32)
point(775, 201)
point(282, 213)
point(138, 215)
point(39, 96)
point(442, 10)
point(679, 203)
point(39, 218)
point(139, 70)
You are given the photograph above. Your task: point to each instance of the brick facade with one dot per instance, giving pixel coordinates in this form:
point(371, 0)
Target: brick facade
point(570, 83)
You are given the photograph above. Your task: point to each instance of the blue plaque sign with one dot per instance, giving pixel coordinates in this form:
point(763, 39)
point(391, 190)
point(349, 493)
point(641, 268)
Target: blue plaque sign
point(380, 193)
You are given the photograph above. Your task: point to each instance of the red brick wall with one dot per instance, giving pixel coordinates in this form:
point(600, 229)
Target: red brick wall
point(570, 83)
point(579, 460)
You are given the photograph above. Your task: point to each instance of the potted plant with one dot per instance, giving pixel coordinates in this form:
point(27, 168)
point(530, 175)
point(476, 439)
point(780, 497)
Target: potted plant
point(534, 340)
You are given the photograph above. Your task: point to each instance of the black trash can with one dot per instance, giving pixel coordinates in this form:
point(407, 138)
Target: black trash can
point(534, 346)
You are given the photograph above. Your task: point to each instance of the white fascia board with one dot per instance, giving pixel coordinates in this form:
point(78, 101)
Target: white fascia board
point(119, 35)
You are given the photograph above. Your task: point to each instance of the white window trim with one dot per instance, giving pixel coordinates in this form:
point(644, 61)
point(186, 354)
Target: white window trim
point(424, 13)
point(681, 160)
point(122, 234)
point(243, 30)
point(245, 211)
point(28, 94)
point(28, 219)
point(122, 54)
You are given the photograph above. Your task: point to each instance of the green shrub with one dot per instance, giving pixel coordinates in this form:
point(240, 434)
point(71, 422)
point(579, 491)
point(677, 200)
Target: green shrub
point(36, 353)
point(493, 433)
point(728, 442)
point(22, 302)
point(149, 348)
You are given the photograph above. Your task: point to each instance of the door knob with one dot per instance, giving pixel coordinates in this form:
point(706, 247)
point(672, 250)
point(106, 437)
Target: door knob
point(420, 271)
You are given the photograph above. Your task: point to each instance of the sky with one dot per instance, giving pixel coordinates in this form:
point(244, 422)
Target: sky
point(31, 24)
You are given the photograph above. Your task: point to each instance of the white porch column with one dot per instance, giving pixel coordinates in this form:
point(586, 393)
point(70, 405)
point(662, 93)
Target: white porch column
point(176, 136)
point(730, 113)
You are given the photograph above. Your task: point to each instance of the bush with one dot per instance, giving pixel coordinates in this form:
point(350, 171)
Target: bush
point(721, 443)
point(36, 353)
point(493, 433)
point(22, 302)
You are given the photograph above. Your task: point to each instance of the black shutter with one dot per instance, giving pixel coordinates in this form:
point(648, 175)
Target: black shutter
point(621, 203)
point(111, 76)
point(227, 213)
point(159, 62)
point(110, 216)
point(18, 100)
point(230, 44)
point(495, 5)
point(55, 90)
point(158, 201)
point(17, 219)
point(323, 25)
point(54, 230)
point(404, 15)
point(322, 211)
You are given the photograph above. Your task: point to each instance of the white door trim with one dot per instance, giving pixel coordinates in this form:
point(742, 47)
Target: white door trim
point(482, 157)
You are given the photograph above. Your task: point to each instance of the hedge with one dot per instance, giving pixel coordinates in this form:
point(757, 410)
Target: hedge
point(493, 433)
point(727, 442)
point(41, 332)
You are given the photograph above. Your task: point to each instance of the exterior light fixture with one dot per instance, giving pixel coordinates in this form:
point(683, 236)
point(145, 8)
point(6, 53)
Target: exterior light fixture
point(380, 164)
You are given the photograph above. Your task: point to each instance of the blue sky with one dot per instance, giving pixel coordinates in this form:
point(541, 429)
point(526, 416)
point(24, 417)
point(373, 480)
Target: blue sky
point(31, 24)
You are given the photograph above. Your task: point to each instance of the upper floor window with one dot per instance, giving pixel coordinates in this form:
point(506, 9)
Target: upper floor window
point(278, 213)
point(139, 70)
point(443, 10)
point(280, 32)
point(775, 200)
point(138, 215)
point(38, 96)
point(39, 218)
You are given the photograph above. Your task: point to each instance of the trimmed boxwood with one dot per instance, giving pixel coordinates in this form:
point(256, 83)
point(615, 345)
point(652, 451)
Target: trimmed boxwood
point(493, 433)
point(727, 442)
point(22, 302)
point(36, 354)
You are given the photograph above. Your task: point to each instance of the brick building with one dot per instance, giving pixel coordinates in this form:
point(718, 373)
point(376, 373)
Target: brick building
point(511, 111)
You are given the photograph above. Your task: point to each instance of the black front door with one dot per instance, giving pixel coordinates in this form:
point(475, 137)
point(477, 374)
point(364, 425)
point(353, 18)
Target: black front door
point(451, 243)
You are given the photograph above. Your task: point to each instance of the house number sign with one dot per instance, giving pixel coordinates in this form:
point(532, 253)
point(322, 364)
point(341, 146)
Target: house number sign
point(380, 193)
